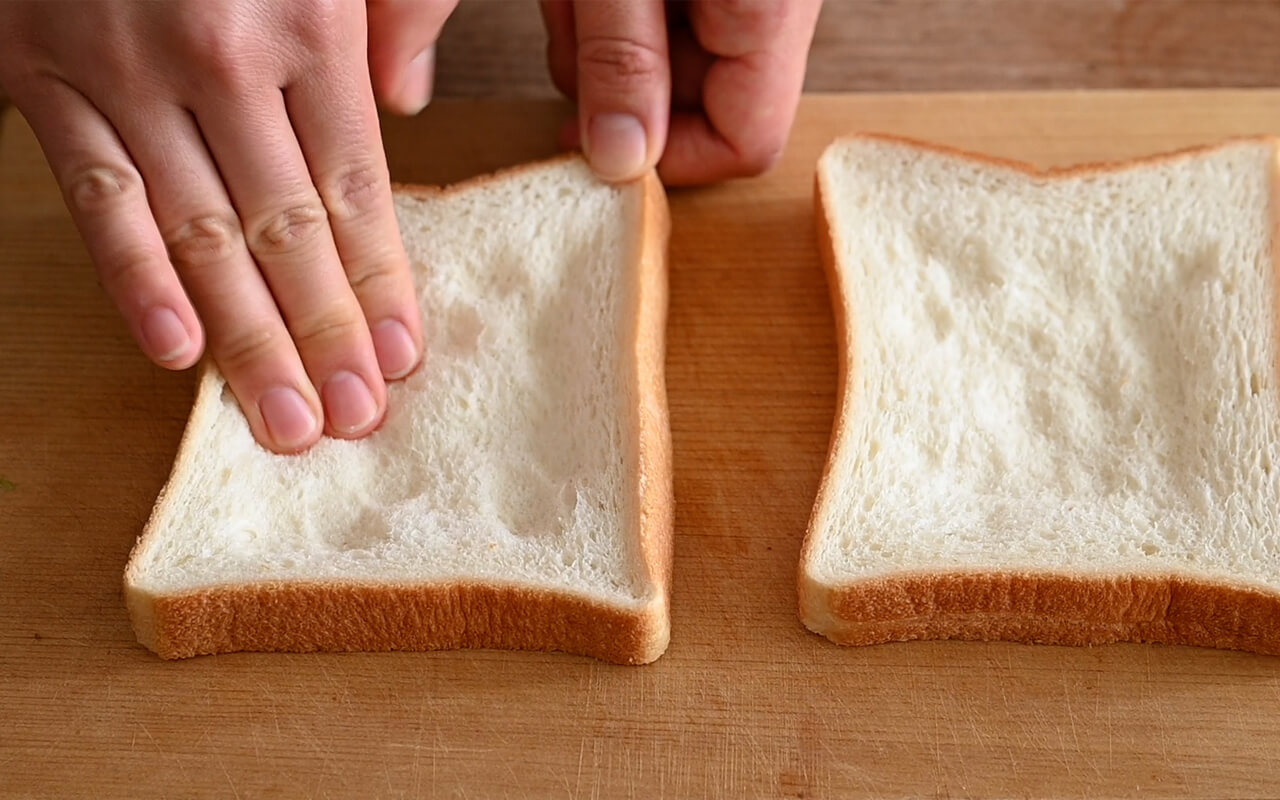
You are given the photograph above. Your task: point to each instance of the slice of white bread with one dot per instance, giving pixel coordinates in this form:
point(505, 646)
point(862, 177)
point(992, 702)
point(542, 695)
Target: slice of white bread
point(518, 494)
point(1058, 417)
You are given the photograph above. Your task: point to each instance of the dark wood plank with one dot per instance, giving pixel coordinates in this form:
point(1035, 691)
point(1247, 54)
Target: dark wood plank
point(495, 47)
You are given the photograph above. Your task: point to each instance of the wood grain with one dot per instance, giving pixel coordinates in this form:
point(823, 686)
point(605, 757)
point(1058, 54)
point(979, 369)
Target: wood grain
point(496, 47)
point(745, 703)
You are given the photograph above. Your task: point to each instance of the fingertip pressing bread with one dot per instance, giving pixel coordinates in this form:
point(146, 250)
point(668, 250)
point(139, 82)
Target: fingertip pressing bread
point(518, 494)
point(1058, 417)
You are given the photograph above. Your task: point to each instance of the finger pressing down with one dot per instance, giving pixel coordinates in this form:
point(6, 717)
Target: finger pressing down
point(108, 202)
point(204, 235)
point(286, 229)
point(337, 127)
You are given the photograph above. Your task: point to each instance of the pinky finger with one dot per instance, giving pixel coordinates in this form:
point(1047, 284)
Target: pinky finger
point(108, 202)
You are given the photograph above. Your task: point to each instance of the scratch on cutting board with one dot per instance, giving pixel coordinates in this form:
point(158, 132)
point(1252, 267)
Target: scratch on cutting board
point(1111, 739)
point(147, 731)
point(386, 776)
point(417, 767)
point(1071, 714)
point(234, 791)
point(577, 781)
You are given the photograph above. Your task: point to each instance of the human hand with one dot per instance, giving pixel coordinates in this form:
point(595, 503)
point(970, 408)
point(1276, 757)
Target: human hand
point(223, 164)
point(704, 89)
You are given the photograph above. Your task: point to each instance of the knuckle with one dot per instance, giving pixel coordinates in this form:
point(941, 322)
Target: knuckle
point(327, 328)
point(96, 188)
point(203, 241)
point(238, 352)
point(762, 157)
point(759, 153)
point(227, 57)
point(356, 192)
point(737, 27)
point(619, 61)
point(126, 269)
point(283, 232)
point(223, 61)
point(379, 275)
point(317, 24)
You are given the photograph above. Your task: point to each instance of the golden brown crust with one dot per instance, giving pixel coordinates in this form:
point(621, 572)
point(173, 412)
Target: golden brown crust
point(654, 480)
point(827, 245)
point(1047, 609)
point(306, 617)
point(1042, 608)
point(346, 616)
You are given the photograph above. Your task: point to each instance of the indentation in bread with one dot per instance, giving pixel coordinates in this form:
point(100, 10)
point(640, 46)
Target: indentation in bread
point(1049, 376)
point(511, 458)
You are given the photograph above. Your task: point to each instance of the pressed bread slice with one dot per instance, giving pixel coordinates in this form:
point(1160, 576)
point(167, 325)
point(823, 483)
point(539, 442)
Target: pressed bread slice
point(518, 494)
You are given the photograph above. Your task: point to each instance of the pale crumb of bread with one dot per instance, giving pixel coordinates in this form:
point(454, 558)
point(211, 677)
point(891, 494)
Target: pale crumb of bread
point(1058, 375)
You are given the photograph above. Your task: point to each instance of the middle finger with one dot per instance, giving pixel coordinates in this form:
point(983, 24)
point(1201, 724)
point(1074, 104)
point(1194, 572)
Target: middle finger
point(287, 229)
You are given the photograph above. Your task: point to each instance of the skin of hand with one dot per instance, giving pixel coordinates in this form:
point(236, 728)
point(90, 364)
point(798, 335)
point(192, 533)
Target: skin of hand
point(706, 90)
point(222, 161)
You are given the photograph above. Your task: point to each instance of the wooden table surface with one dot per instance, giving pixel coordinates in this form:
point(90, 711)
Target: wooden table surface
point(745, 703)
point(496, 47)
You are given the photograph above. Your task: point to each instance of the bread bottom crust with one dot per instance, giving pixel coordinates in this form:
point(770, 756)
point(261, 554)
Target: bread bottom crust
point(346, 617)
point(1045, 609)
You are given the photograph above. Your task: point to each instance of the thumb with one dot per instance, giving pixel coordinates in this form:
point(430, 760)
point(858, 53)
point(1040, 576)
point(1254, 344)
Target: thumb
point(624, 84)
point(402, 37)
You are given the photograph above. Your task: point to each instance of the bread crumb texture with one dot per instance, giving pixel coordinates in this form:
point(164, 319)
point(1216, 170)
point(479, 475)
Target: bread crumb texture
point(1052, 374)
point(509, 457)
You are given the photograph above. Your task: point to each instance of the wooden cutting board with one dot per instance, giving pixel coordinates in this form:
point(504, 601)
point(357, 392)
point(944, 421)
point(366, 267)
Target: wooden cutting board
point(746, 703)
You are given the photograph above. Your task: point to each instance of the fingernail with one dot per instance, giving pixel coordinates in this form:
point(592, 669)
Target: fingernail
point(415, 92)
point(289, 420)
point(397, 354)
point(616, 146)
point(164, 335)
point(348, 403)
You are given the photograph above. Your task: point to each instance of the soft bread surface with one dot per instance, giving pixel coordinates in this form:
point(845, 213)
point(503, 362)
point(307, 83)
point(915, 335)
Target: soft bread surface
point(518, 493)
point(1058, 416)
